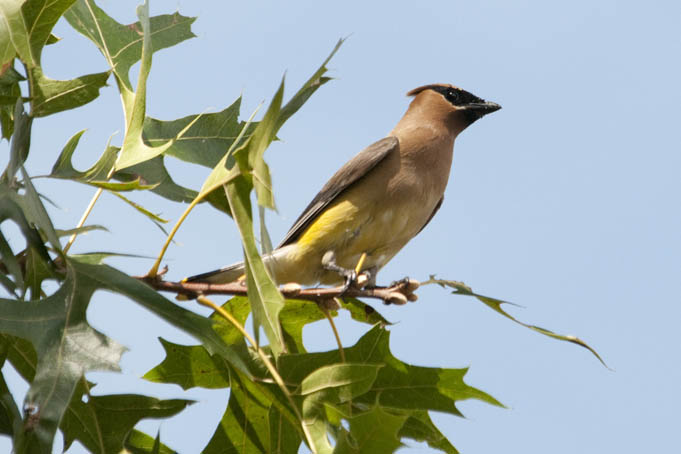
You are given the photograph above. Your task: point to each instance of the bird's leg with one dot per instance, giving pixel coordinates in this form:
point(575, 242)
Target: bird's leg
point(371, 274)
point(348, 275)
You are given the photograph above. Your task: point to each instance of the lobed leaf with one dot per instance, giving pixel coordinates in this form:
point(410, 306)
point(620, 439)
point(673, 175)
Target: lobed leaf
point(110, 419)
point(122, 44)
point(293, 317)
point(362, 312)
point(49, 96)
point(254, 423)
point(141, 443)
point(66, 347)
point(420, 427)
point(20, 143)
point(10, 93)
point(38, 17)
point(189, 367)
point(375, 431)
point(154, 173)
point(205, 141)
point(191, 323)
point(462, 289)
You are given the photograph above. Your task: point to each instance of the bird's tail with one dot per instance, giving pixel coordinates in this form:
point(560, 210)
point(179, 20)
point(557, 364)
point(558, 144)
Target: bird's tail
point(276, 262)
point(224, 275)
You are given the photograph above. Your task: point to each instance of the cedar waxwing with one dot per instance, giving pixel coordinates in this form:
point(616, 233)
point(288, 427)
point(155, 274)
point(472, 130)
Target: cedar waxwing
point(379, 200)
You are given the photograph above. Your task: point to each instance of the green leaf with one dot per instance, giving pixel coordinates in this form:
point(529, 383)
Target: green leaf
point(122, 44)
point(98, 174)
point(63, 167)
point(134, 150)
point(50, 96)
point(111, 419)
point(10, 416)
point(9, 76)
point(348, 379)
point(309, 87)
point(133, 185)
point(67, 347)
point(96, 258)
point(37, 271)
point(191, 323)
point(362, 312)
point(8, 284)
point(462, 289)
point(420, 427)
point(10, 94)
point(328, 387)
point(226, 169)
point(189, 367)
point(266, 301)
point(80, 230)
point(21, 142)
point(239, 307)
point(375, 431)
point(253, 424)
point(153, 172)
point(12, 206)
point(79, 422)
point(14, 38)
point(52, 39)
point(205, 141)
point(293, 317)
point(9, 261)
point(141, 443)
point(154, 217)
point(36, 213)
point(39, 17)
point(21, 355)
point(398, 385)
point(253, 150)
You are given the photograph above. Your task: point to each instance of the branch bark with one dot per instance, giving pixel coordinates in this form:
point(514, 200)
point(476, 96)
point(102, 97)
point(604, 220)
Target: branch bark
point(397, 293)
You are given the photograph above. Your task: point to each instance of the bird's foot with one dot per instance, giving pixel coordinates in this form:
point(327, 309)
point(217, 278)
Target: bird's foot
point(400, 291)
point(351, 278)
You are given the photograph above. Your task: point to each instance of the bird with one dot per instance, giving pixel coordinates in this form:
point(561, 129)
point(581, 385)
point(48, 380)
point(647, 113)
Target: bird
point(378, 201)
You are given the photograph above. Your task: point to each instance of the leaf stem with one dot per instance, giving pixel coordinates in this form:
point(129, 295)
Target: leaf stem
point(154, 269)
point(87, 212)
point(202, 300)
point(335, 332)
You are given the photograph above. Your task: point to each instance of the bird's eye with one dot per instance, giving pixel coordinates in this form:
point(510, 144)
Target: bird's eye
point(452, 96)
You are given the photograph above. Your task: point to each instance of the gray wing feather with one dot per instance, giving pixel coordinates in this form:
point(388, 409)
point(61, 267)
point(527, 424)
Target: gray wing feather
point(349, 174)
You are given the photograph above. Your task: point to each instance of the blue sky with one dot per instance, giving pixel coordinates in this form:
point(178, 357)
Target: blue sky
point(566, 201)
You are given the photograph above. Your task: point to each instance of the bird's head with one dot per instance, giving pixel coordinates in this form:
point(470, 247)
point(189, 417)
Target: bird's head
point(455, 105)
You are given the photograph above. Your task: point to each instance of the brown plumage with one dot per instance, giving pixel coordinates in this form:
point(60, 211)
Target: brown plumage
point(378, 200)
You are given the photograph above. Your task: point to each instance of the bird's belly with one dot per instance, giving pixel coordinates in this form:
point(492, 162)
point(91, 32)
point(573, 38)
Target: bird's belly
point(351, 227)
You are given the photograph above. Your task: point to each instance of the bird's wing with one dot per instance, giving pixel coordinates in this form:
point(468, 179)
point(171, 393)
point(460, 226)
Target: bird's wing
point(437, 207)
point(346, 176)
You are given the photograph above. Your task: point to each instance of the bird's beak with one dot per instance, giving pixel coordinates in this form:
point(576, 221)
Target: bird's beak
point(476, 110)
point(482, 108)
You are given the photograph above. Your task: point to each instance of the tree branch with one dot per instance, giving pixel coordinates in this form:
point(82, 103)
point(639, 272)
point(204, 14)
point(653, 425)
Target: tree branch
point(397, 293)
